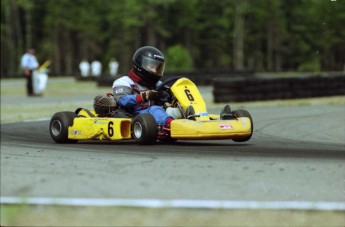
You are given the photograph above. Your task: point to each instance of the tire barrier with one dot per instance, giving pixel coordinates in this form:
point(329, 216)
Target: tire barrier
point(252, 89)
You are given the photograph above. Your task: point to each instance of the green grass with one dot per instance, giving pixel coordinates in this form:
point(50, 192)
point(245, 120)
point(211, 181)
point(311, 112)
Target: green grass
point(61, 94)
point(28, 215)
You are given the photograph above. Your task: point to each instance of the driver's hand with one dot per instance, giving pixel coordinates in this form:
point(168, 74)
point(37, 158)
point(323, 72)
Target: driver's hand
point(150, 95)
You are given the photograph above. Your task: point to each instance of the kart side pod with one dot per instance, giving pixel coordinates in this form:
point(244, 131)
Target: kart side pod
point(100, 129)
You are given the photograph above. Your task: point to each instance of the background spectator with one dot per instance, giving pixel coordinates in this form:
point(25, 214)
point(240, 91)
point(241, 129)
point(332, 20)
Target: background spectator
point(84, 67)
point(113, 67)
point(29, 63)
point(96, 68)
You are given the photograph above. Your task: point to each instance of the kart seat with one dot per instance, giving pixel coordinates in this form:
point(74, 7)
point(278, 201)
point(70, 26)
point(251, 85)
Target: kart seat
point(86, 110)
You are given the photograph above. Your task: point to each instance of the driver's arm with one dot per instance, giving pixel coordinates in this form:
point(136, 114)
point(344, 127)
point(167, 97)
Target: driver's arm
point(124, 96)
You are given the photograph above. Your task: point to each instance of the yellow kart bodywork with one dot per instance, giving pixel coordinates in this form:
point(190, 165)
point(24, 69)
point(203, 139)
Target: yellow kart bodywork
point(100, 129)
point(86, 125)
point(87, 128)
point(187, 94)
point(206, 126)
point(211, 129)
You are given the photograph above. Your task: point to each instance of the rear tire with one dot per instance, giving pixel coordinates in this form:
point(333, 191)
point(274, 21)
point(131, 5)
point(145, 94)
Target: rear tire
point(144, 129)
point(59, 124)
point(244, 113)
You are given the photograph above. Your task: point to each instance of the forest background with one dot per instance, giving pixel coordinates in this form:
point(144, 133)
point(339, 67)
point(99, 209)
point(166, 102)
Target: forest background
point(238, 35)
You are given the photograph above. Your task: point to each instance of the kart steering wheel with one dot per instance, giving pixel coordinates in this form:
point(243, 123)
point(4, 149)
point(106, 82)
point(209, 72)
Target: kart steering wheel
point(166, 96)
point(166, 82)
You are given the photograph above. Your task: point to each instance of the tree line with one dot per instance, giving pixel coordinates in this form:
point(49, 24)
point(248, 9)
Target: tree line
point(239, 35)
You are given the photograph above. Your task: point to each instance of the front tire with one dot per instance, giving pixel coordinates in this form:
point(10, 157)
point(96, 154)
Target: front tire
point(59, 124)
point(244, 113)
point(144, 129)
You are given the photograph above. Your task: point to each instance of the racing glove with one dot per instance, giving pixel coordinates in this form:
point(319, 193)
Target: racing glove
point(150, 95)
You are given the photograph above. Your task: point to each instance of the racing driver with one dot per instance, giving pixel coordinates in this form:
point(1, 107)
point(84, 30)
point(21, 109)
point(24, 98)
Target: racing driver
point(135, 92)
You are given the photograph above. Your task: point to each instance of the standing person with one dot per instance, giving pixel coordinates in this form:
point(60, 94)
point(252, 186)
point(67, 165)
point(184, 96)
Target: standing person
point(113, 67)
point(135, 93)
point(96, 68)
point(29, 63)
point(84, 67)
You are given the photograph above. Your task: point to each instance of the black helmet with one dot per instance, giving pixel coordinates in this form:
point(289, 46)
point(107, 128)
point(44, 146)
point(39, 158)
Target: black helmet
point(148, 63)
point(104, 105)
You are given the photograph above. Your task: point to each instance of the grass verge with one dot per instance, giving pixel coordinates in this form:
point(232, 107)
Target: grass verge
point(29, 215)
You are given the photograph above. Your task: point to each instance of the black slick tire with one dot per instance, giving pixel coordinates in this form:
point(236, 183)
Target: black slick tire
point(58, 126)
point(144, 129)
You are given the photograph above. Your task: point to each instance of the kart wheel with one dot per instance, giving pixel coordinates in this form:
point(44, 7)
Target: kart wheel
point(244, 113)
point(144, 129)
point(58, 126)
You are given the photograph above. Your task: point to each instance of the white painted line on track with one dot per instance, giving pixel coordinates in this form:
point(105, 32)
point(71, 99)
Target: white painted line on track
point(156, 203)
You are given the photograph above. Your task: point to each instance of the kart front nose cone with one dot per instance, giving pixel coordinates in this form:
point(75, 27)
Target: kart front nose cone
point(56, 127)
point(137, 130)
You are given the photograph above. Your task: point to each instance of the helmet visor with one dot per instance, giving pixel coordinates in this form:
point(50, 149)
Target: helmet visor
point(153, 66)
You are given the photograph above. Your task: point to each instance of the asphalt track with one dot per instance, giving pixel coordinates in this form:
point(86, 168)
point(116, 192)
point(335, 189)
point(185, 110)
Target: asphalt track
point(296, 154)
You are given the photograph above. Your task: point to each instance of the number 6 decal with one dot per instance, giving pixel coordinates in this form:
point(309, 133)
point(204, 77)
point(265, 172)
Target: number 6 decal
point(189, 95)
point(110, 128)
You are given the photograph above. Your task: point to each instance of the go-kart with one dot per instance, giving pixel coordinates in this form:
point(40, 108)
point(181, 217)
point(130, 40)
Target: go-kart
point(180, 98)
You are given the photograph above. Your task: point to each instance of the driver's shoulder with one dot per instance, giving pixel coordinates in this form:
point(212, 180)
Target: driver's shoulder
point(123, 81)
